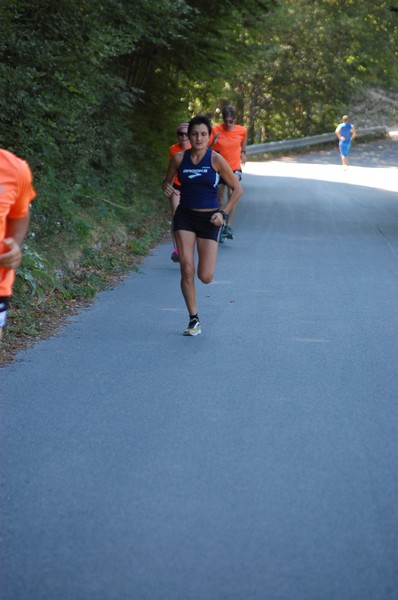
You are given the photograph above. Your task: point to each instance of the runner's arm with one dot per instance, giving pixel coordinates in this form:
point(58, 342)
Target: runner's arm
point(214, 139)
point(167, 183)
point(243, 150)
point(221, 165)
point(337, 132)
point(15, 235)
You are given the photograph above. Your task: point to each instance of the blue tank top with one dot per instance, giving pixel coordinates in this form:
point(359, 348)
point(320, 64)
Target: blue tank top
point(198, 182)
point(345, 131)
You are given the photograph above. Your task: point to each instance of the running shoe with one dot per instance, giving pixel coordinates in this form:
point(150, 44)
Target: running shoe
point(228, 233)
point(174, 256)
point(193, 328)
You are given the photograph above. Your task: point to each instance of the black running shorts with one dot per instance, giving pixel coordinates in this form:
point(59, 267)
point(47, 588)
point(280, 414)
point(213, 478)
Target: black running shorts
point(196, 221)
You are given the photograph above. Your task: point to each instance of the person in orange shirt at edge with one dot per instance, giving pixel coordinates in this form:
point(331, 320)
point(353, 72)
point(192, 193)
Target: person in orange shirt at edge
point(16, 193)
point(182, 144)
point(229, 140)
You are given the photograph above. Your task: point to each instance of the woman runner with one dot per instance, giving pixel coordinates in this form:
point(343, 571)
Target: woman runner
point(198, 220)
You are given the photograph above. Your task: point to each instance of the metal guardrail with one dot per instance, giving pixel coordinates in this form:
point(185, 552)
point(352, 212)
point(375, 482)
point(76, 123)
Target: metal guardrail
point(308, 141)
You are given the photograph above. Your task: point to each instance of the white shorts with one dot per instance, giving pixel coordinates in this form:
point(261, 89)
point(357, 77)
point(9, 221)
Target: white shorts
point(4, 301)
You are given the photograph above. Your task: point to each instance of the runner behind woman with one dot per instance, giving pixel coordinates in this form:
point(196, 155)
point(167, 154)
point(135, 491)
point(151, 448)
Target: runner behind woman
point(182, 144)
point(229, 140)
point(198, 219)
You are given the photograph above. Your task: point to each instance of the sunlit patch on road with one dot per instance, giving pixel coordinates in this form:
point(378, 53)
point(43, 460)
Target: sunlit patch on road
point(383, 178)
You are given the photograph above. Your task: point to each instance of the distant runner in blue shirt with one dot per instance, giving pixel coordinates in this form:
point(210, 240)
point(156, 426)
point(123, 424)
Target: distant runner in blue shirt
point(345, 133)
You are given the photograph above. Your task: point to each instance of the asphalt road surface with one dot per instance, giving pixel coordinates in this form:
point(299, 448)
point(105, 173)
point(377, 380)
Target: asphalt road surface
point(258, 461)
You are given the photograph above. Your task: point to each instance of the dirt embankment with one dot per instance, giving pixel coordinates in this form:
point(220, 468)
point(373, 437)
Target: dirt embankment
point(376, 107)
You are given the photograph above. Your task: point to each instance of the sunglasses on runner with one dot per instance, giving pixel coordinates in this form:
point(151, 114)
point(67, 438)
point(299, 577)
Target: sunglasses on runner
point(182, 133)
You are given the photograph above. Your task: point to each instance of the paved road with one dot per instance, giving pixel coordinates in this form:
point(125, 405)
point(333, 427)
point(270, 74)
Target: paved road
point(258, 461)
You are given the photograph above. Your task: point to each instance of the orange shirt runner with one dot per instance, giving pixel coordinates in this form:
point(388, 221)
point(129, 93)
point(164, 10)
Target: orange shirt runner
point(16, 193)
point(230, 143)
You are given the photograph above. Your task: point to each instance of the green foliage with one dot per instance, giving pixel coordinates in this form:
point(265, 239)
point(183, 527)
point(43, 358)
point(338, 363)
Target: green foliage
point(297, 71)
point(33, 280)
